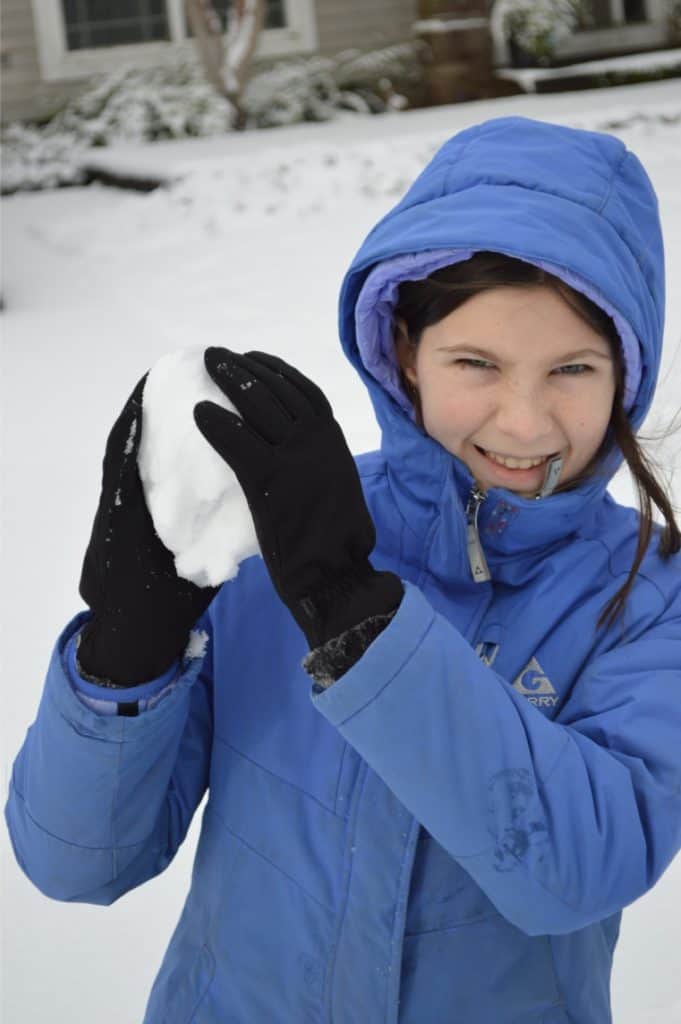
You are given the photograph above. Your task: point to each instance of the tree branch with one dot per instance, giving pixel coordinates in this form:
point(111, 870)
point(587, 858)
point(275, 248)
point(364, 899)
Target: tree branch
point(208, 34)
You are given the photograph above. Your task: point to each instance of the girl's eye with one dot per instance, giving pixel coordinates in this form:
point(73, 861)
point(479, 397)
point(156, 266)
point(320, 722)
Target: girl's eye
point(476, 364)
point(574, 369)
point(571, 370)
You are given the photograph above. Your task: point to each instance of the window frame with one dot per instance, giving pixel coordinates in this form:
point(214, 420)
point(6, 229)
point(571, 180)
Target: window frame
point(629, 35)
point(58, 63)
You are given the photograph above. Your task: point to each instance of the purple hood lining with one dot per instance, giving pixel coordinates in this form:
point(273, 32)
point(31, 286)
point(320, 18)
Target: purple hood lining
point(377, 299)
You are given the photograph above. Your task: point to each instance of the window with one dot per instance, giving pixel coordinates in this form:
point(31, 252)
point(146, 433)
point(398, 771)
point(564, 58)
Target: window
point(275, 15)
point(597, 15)
point(634, 10)
point(608, 13)
point(77, 38)
point(605, 27)
point(96, 23)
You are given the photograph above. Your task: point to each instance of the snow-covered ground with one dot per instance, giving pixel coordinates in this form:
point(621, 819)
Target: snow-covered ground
point(246, 249)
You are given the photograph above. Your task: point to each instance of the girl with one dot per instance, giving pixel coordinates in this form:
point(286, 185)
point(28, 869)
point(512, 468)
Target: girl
point(446, 825)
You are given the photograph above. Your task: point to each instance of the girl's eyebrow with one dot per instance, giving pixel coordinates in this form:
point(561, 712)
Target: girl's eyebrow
point(580, 354)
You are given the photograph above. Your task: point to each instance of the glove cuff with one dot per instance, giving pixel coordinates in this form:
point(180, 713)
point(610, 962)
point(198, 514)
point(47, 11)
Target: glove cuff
point(328, 663)
point(360, 594)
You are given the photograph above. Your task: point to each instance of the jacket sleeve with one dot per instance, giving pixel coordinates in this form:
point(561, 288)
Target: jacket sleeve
point(98, 804)
point(561, 823)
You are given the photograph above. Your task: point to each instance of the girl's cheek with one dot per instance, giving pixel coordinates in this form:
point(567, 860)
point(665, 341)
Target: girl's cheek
point(449, 401)
point(472, 405)
point(452, 408)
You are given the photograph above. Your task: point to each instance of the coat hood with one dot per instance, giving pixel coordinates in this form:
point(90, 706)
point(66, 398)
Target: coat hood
point(577, 203)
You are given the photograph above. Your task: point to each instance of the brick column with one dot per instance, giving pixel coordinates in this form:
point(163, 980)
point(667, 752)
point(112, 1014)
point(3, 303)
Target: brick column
point(458, 34)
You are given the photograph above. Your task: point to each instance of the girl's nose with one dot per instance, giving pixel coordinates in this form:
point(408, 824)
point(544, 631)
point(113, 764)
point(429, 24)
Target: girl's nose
point(525, 418)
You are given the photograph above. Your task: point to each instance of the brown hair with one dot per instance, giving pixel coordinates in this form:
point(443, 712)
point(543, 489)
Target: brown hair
point(424, 303)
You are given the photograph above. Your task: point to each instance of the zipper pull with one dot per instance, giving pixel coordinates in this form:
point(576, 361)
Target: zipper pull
point(476, 556)
point(551, 476)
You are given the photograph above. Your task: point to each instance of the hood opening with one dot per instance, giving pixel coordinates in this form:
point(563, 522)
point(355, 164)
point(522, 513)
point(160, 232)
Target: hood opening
point(378, 297)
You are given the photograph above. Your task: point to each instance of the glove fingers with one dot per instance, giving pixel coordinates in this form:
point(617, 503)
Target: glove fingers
point(119, 468)
point(260, 406)
point(121, 498)
point(289, 395)
point(314, 396)
point(232, 439)
point(125, 434)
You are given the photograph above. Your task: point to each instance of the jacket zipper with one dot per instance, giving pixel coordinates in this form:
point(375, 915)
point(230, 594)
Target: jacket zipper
point(476, 556)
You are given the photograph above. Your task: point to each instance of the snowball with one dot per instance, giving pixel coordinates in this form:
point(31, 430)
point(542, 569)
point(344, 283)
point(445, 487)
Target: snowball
point(197, 506)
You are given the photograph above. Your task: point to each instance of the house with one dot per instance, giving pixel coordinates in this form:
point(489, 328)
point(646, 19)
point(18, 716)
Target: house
point(50, 46)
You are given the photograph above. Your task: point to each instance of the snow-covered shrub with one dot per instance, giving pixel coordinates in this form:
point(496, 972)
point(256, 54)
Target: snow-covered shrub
point(538, 26)
point(33, 159)
point(316, 88)
point(128, 105)
point(143, 105)
point(176, 102)
point(383, 71)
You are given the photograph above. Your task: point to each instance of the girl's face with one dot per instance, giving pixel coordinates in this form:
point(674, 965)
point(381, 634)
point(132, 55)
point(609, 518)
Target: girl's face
point(510, 378)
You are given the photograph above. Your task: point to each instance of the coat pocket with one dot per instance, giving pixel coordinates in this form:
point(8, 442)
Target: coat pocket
point(443, 895)
point(486, 970)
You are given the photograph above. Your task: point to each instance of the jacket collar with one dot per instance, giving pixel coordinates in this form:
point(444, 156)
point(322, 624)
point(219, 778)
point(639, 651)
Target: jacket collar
point(432, 488)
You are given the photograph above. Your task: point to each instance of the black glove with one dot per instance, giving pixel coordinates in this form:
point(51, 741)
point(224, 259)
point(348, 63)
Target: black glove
point(303, 489)
point(142, 610)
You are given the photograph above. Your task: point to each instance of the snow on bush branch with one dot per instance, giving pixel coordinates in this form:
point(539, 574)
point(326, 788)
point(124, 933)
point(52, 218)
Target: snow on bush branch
point(134, 105)
point(537, 26)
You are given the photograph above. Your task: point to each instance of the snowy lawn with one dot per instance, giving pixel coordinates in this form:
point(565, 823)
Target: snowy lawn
point(247, 249)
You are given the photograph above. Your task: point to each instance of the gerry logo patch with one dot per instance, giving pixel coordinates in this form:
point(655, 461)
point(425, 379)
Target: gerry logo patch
point(534, 684)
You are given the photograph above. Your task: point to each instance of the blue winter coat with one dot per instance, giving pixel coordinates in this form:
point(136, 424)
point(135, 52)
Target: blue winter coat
point(449, 833)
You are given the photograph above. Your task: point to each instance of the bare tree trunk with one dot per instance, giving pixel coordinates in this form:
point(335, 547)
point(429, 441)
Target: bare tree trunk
point(246, 21)
point(208, 34)
point(227, 61)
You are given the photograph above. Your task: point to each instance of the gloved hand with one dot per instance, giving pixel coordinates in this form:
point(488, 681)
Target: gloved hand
point(142, 610)
point(303, 490)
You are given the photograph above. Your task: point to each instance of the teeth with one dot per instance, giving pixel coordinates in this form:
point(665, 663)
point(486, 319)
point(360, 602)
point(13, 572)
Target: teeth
point(512, 463)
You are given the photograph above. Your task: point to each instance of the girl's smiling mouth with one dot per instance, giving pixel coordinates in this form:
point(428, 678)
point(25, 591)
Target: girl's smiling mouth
point(523, 472)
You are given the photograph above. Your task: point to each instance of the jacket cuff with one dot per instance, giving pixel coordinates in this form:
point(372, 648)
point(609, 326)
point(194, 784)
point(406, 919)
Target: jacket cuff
point(101, 690)
point(384, 659)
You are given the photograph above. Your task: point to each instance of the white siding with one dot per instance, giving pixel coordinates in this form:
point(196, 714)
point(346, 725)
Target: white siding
point(24, 94)
point(342, 24)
